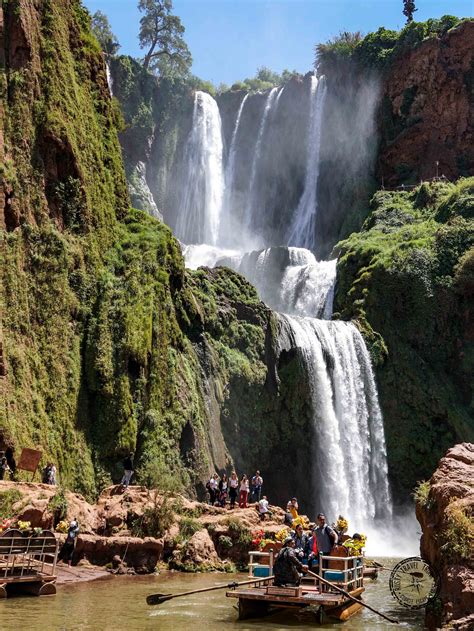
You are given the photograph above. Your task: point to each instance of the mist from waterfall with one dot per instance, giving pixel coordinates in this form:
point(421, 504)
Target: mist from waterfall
point(289, 280)
point(303, 228)
point(201, 203)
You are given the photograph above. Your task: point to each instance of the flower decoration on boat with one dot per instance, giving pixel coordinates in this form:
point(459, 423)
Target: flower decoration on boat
point(341, 525)
point(62, 527)
point(282, 534)
point(7, 523)
point(257, 537)
point(24, 525)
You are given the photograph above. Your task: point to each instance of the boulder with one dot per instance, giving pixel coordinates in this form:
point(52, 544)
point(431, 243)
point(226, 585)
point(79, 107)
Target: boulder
point(200, 549)
point(445, 515)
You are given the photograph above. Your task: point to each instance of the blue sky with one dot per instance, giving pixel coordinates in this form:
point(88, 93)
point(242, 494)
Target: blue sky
point(230, 39)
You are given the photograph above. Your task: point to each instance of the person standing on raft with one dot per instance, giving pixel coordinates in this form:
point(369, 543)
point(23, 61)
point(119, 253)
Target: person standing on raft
point(326, 537)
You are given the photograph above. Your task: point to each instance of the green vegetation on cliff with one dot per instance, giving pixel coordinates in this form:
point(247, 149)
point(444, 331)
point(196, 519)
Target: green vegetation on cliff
point(107, 345)
point(379, 49)
point(407, 278)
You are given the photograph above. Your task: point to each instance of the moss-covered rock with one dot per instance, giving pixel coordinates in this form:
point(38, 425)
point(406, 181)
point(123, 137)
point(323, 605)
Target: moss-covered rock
point(406, 277)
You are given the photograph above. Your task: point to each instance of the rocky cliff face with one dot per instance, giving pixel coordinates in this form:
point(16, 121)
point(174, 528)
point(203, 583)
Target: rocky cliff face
point(445, 508)
point(427, 112)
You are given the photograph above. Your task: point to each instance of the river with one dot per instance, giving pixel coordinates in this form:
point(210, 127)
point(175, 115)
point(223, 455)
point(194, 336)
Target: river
point(118, 602)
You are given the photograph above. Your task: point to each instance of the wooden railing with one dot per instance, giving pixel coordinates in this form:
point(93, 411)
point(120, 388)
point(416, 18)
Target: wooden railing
point(346, 572)
point(268, 561)
point(22, 557)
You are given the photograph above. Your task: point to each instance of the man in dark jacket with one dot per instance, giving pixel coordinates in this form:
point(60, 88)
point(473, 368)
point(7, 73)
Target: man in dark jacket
point(287, 568)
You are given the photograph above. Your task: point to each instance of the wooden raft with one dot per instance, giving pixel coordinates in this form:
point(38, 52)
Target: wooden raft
point(27, 564)
point(347, 573)
point(257, 601)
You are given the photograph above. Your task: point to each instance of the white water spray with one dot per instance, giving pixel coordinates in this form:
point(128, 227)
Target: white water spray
point(302, 232)
point(199, 216)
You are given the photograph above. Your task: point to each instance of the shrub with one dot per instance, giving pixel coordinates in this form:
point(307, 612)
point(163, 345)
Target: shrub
point(238, 531)
point(58, 505)
point(225, 542)
point(7, 501)
point(458, 536)
point(188, 527)
point(156, 520)
point(421, 494)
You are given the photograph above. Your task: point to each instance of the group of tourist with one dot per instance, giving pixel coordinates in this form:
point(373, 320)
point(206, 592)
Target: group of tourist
point(301, 551)
point(225, 488)
point(49, 474)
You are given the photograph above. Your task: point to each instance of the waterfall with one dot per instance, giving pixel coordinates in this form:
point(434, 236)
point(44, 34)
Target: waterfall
point(257, 155)
point(227, 207)
point(349, 471)
point(350, 467)
point(230, 168)
point(203, 178)
point(302, 231)
point(289, 280)
point(110, 80)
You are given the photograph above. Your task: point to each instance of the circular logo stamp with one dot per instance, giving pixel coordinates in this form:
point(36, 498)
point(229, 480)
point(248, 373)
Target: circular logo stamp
point(413, 583)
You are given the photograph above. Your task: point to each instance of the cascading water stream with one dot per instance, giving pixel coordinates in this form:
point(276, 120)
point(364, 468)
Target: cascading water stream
point(302, 231)
point(257, 156)
point(350, 473)
point(350, 467)
point(201, 205)
point(226, 221)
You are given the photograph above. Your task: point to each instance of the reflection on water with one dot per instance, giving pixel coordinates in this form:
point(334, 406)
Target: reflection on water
point(119, 603)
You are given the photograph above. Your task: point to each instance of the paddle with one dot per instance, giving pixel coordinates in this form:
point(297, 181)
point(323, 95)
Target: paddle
point(157, 599)
point(356, 600)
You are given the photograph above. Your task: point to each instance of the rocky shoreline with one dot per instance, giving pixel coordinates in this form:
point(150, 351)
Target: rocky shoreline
point(138, 530)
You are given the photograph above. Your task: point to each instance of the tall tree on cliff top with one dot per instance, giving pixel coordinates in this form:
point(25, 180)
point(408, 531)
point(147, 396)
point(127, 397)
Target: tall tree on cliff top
point(103, 33)
point(409, 9)
point(161, 33)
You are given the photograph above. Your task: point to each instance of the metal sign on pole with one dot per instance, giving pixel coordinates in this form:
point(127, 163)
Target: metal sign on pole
point(29, 460)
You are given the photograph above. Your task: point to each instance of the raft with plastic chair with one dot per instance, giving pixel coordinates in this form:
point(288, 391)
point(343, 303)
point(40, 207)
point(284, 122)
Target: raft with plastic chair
point(264, 598)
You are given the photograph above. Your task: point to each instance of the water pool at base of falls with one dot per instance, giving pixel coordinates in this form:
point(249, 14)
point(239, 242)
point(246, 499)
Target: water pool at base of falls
point(118, 602)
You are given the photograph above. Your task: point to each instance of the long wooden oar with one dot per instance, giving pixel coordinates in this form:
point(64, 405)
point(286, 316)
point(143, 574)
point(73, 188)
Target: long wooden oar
point(157, 599)
point(356, 600)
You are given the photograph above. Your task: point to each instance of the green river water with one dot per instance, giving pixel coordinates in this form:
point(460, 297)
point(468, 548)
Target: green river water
point(118, 602)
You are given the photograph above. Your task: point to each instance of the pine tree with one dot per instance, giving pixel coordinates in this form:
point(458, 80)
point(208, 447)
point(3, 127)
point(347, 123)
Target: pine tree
point(409, 9)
